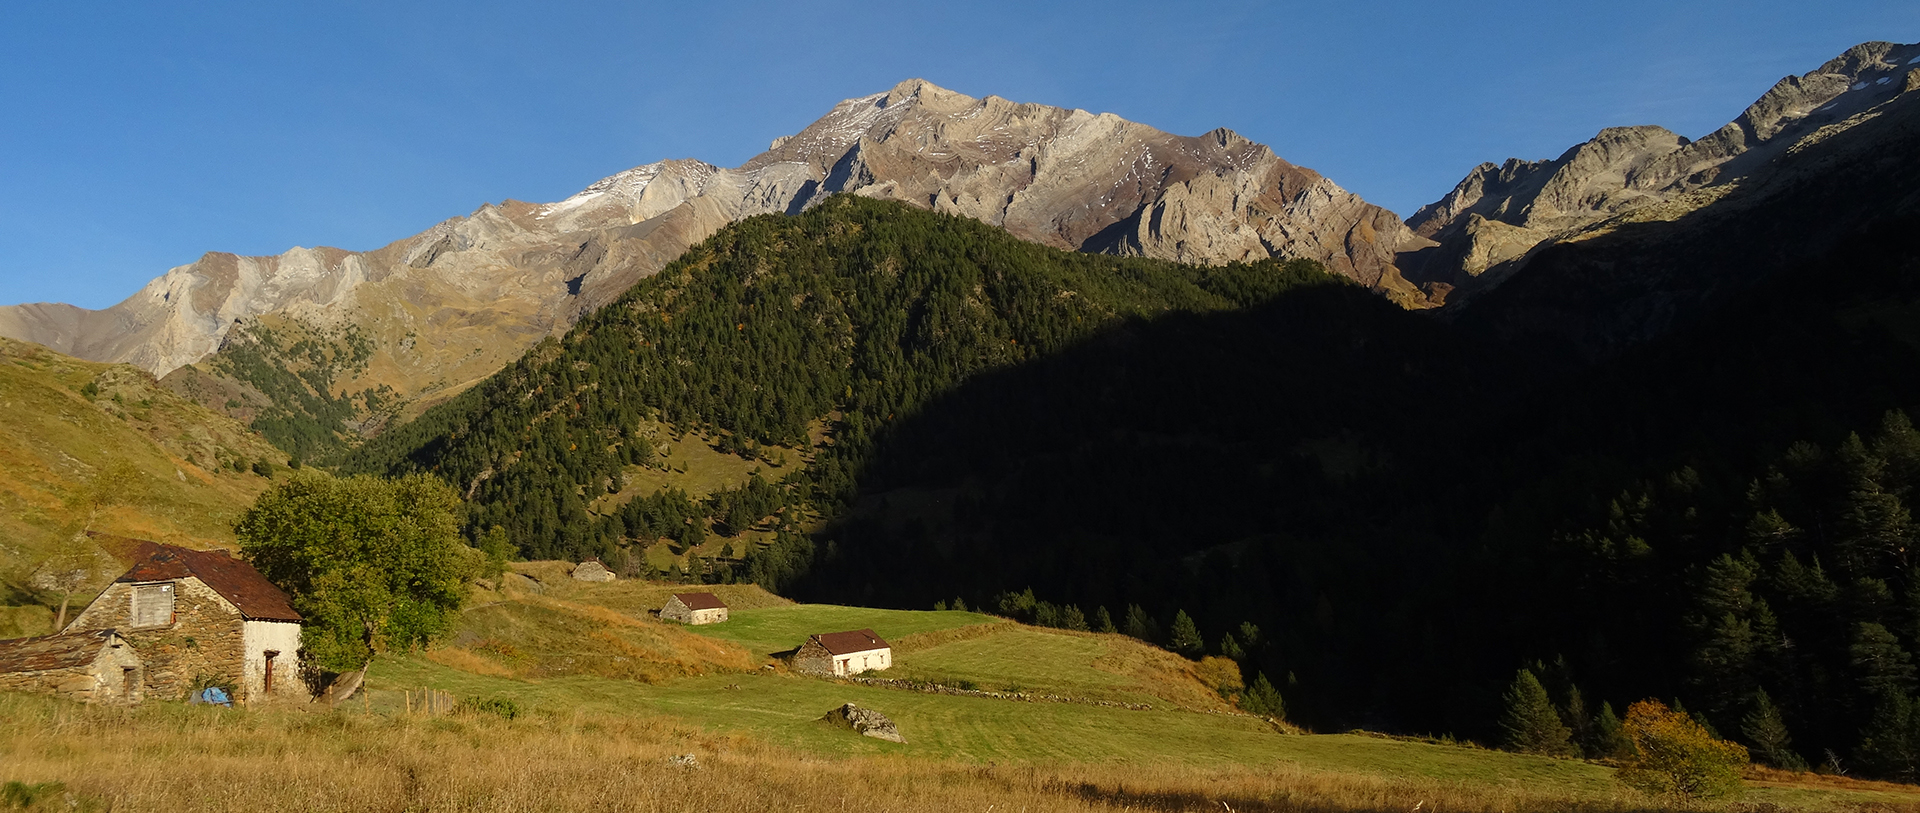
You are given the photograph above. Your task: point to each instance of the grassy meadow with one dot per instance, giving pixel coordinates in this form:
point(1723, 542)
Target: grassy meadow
point(105, 447)
point(609, 697)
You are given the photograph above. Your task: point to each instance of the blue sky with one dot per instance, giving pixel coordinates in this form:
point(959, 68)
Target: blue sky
point(137, 136)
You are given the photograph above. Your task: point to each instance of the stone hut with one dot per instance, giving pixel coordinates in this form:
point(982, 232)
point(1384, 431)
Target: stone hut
point(592, 570)
point(95, 666)
point(694, 608)
point(202, 616)
point(843, 653)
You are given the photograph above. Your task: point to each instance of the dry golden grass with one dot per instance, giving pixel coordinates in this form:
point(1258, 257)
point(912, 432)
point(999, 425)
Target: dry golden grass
point(536, 636)
point(635, 596)
point(170, 757)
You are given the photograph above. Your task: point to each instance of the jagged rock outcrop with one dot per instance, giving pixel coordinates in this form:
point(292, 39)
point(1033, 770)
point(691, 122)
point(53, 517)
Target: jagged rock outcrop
point(451, 305)
point(1495, 218)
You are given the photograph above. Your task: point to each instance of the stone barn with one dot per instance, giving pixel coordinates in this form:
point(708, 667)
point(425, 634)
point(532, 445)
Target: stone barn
point(694, 608)
point(202, 616)
point(843, 653)
point(95, 666)
point(592, 570)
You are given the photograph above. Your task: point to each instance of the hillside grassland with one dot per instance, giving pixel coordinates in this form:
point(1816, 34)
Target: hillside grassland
point(608, 696)
point(104, 447)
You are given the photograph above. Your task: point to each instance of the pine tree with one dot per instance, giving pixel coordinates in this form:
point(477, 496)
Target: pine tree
point(1230, 648)
point(1142, 626)
point(1609, 735)
point(1881, 666)
point(1262, 699)
point(1186, 638)
point(1103, 620)
point(1574, 714)
point(1890, 746)
point(1530, 723)
point(1764, 728)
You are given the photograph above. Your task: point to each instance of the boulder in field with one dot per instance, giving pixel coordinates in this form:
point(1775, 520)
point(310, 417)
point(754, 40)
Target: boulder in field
point(865, 722)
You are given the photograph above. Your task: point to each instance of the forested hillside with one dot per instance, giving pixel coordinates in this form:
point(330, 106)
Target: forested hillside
point(1383, 514)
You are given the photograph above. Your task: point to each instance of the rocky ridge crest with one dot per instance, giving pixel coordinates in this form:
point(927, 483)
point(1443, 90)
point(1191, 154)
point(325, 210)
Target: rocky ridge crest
point(1500, 214)
point(453, 304)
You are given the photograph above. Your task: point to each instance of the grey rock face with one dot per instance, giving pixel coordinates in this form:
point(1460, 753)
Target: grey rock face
point(866, 722)
point(1628, 169)
point(453, 304)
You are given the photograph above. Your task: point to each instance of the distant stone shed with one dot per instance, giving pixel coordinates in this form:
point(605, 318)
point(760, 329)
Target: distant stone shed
point(694, 608)
point(95, 666)
point(843, 653)
point(592, 570)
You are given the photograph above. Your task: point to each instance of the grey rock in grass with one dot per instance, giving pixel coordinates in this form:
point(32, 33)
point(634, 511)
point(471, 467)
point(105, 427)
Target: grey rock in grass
point(866, 722)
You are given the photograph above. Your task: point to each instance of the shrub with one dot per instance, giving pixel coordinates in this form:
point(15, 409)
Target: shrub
point(1672, 755)
point(501, 707)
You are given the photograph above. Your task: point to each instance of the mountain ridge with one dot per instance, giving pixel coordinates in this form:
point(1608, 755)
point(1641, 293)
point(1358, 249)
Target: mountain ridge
point(458, 301)
point(1499, 215)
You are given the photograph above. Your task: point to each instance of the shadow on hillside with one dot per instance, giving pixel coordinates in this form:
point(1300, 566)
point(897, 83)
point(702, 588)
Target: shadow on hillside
point(1210, 462)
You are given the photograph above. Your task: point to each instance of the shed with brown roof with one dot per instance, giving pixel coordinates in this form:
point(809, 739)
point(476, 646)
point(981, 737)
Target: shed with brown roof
point(96, 666)
point(201, 617)
point(694, 608)
point(843, 653)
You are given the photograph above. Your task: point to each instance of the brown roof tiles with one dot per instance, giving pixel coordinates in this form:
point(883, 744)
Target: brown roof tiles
point(700, 601)
point(232, 578)
point(844, 643)
point(50, 652)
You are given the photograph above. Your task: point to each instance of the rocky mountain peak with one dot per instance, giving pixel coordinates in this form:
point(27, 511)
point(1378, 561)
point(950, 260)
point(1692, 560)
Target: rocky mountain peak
point(1627, 169)
point(454, 303)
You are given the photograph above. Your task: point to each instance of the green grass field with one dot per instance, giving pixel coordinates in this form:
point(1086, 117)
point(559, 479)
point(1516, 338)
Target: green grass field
point(784, 710)
point(768, 630)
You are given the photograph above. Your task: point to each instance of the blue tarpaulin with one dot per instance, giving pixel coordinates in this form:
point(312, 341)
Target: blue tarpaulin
point(212, 694)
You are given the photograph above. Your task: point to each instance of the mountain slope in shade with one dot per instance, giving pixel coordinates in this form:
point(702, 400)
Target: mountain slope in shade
point(1491, 221)
point(439, 310)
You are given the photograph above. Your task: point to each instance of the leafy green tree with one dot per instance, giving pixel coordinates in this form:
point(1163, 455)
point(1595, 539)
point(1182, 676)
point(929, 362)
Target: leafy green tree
point(1186, 638)
point(1673, 755)
point(1767, 731)
point(372, 564)
point(497, 549)
point(1531, 725)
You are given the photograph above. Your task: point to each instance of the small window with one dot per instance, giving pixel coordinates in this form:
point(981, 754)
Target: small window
point(153, 605)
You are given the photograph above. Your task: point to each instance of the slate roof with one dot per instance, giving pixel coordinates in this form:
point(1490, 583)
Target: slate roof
point(701, 601)
point(847, 643)
point(49, 652)
point(232, 578)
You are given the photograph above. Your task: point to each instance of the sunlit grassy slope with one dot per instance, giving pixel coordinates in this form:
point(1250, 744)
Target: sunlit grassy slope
point(609, 694)
point(65, 422)
point(1186, 727)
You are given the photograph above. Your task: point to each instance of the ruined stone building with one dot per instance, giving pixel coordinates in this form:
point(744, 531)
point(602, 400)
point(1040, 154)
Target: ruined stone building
point(843, 653)
point(592, 570)
point(93, 666)
point(694, 608)
point(202, 617)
